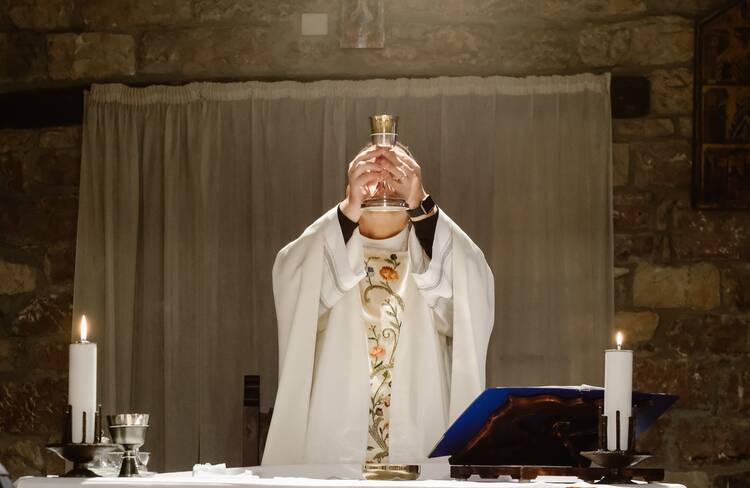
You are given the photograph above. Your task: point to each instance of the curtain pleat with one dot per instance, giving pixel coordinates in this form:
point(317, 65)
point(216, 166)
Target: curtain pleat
point(187, 193)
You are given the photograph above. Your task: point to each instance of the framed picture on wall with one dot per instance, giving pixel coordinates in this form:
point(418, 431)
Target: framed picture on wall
point(721, 173)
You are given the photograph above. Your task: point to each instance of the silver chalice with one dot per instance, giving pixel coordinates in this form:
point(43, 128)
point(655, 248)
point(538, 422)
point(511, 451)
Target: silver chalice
point(128, 430)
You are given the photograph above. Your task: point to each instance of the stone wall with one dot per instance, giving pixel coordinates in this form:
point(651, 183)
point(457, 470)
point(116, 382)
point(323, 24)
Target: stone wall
point(683, 286)
point(38, 209)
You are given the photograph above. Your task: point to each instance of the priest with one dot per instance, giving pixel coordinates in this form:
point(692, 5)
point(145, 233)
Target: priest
point(384, 320)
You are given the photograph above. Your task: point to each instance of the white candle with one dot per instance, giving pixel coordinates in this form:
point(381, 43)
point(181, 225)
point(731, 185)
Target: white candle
point(618, 393)
point(82, 385)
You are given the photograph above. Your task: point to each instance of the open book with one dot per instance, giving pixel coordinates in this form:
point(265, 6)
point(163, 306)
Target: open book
point(537, 425)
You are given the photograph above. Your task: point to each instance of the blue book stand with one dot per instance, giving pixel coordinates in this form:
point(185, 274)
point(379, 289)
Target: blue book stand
point(536, 426)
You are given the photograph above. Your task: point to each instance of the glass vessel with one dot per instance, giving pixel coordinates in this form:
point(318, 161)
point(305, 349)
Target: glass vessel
point(382, 195)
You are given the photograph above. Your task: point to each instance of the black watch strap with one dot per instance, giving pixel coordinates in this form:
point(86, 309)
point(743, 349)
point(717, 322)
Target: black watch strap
point(427, 205)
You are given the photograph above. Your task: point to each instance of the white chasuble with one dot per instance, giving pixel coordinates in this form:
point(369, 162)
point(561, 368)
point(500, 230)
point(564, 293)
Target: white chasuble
point(336, 347)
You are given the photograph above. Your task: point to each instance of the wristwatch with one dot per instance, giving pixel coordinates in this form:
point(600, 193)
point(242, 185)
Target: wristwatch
point(427, 205)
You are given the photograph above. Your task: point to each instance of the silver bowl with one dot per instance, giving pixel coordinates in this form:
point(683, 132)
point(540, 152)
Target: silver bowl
point(128, 419)
point(128, 435)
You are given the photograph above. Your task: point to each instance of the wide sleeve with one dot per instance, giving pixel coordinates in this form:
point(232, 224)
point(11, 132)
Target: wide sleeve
point(309, 274)
point(473, 319)
point(457, 283)
point(343, 262)
point(434, 275)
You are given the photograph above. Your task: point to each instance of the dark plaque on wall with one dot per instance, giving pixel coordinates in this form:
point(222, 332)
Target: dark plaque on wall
point(721, 178)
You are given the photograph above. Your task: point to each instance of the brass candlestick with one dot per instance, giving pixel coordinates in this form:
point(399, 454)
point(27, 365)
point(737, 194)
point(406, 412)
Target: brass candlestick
point(81, 453)
point(617, 462)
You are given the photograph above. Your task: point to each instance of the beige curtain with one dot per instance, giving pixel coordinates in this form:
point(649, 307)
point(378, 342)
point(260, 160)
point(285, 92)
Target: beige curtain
point(187, 193)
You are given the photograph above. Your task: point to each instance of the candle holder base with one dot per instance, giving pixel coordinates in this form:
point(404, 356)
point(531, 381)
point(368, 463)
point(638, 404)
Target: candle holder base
point(617, 463)
point(80, 455)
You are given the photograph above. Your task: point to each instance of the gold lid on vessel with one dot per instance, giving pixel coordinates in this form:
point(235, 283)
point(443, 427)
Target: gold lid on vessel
point(383, 124)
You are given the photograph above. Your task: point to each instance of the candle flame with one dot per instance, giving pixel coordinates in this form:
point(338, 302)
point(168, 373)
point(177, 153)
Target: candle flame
point(618, 340)
point(84, 328)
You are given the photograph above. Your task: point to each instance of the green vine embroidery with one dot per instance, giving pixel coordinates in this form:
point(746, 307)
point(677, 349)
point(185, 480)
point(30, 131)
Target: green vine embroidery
point(383, 342)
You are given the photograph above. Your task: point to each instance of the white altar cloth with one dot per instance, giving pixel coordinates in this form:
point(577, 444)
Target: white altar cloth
point(303, 476)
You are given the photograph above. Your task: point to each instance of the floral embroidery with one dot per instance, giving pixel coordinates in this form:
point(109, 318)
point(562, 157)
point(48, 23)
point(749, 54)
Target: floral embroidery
point(382, 338)
point(388, 273)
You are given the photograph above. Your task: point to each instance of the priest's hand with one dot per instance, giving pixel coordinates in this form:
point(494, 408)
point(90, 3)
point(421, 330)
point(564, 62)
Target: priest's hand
point(405, 174)
point(364, 170)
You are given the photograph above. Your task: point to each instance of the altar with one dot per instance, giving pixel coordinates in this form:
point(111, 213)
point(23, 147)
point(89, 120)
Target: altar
point(434, 475)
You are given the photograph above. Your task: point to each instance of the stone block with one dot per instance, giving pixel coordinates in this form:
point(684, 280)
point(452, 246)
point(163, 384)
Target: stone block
point(465, 11)
point(90, 55)
point(465, 43)
point(632, 42)
point(671, 91)
point(692, 8)
point(661, 163)
point(738, 393)
point(655, 438)
point(11, 174)
point(17, 141)
point(461, 49)
point(207, 51)
point(23, 55)
point(46, 220)
point(46, 315)
point(695, 286)
point(32, 406)
point(620, 164)
point(50, 354)
point(22, 456)
point(262, 12)
point(637, 129)
point(622, 293)
point(691, 334)
point(591, 9)
point(632, 211)
point(54, 465)
point(53, 168)
point(735, 286)
point(664, 374)
point(630, 248)
point(700, 381)
point(41, 14)
point(6, 356)
point(685, 127)
point(120, 14)
point(637, 327)
point(16, 278)
point(709, 234)
point(691, 479)
point(59, 263)
point(61, 137)
point(712, 439)
point(665, 213)
point(547, 51)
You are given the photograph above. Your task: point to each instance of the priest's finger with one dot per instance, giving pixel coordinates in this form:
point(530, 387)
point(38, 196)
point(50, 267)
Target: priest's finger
point(394, 167)
point(365, 180)
point(408, 161)
point(395, 172)
point(363, 167)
